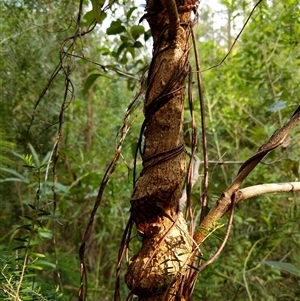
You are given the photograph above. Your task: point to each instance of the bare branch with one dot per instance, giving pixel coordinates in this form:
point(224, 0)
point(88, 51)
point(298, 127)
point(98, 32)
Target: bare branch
point(275, 140)
point(252, 191)
point(224, 202)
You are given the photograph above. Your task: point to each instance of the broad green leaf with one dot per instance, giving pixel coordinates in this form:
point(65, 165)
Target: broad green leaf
point(62, 188)
point(105, 50)
point(90, 81)
point(115, 27)
point(121, 48)
point(284, 266)
point(131, 50)
point(89, 17)
point(100, 17)
point(44, 264)
point(138, 44)
point(124, 38)
point(97, 5)
point(96, 9)
point(129, 13)
point(147, 35)
point(44, 233)
point(136, 31)
point(277, 106)
point(124, 59)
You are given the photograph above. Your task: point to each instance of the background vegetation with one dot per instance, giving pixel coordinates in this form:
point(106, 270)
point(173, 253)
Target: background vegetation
point(45, 204)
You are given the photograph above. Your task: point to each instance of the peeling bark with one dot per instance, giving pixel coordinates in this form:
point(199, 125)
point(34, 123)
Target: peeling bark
point(162, 260)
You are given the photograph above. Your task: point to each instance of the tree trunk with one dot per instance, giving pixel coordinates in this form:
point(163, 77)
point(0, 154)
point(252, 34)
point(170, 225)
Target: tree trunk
point(155, 271)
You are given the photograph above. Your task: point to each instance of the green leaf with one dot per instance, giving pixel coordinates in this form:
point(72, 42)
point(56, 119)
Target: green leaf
point(31, 206)
point(124, 38)
point(136, 31)
point(26, 298)
point(17, 155)
point(44, 233)
point(115, 27)
point(45, 213)
point(35, 156)
point(28, 217)
point(40, 255)
point(29, 275)
point(138, 44)
point(45, 264)
point(284, 266)
point(29, 166)
point(21, 239)
point(102, 16)
point(35, 267)
point(131, 51)
point(295, 169)
point(121, 48)
point(105, 50)
point(96, 9)
point(16, 174)
point(129, 13)
point(26, 227)
point(193, 267)
point(46, 160)
point(147, 35)
point(89, 82)
point(20, 247)
point(10, 180)
point(277, 106)
point(89, 17)
point(124, 59)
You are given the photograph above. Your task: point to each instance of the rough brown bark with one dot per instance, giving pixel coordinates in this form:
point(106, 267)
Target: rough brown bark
point(155, 269)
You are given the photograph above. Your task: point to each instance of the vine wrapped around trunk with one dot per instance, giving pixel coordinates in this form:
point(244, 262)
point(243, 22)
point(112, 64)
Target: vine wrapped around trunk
point(166, 248)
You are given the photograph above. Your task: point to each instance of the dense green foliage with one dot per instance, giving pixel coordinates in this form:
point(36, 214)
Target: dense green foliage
point(44, 215)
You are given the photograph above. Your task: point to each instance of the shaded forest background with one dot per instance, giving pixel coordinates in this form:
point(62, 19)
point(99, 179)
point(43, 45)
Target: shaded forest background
point(45, 205)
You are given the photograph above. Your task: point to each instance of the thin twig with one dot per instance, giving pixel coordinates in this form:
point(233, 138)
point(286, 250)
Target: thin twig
point(191, 168)
point(235, 40)
point(203, 127)
point(219, 250)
